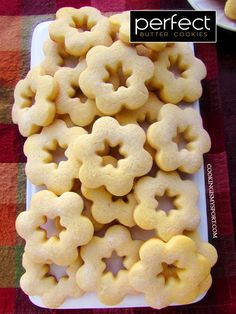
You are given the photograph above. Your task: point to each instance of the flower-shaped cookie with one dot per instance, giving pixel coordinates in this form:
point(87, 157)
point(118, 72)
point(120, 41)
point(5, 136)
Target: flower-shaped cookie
point(172, 272)
point(34, 104)
point(88, 213)
point(183, 213)
point(41, 168)
point(174, 123)
point(122, 61)
point(105, 208)
point(121, 23)
point(70, 98)
point(56, 57)
point(37, 281)
point(145, 51)
point(147, 113)
point(75, 230)
point(91, 148)
point(143, 116)
point(209, 252)
point(178, 74)
point(93, 276)
point(80, 29)
point(203, 248)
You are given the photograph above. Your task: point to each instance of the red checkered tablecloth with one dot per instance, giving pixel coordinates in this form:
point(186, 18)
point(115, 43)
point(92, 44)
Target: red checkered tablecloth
point(218, 107)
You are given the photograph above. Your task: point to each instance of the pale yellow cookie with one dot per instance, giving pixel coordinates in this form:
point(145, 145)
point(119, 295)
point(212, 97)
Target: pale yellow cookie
point(121, 23)
point(178, 74)
point(107, 208)
point(87, 213)
point(71, 100)
point(147, 113)
point(60, 249)
point(176, 122)
point(167, 219)
point(87, 206)
point(93, 276)
point(80, 29)
point(66, 118)
point(34, 102)
point(144, 51)
point(42, 168)
point(172, 272)
point(37, 281)
point(143, 116)
point(56, 57)
point(208, 251)
point(203, 248)
point(230, 9)
point(105, 62)
point(91, 148)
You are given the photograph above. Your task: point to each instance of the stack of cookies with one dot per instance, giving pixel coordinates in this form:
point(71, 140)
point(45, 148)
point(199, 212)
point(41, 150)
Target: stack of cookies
point(109, 146)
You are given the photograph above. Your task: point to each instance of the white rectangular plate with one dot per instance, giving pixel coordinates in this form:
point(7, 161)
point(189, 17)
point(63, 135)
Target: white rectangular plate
point(89, 300)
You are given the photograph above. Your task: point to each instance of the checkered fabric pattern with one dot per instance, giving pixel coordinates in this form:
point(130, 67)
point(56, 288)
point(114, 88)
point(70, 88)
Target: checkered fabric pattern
point(17, 21)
